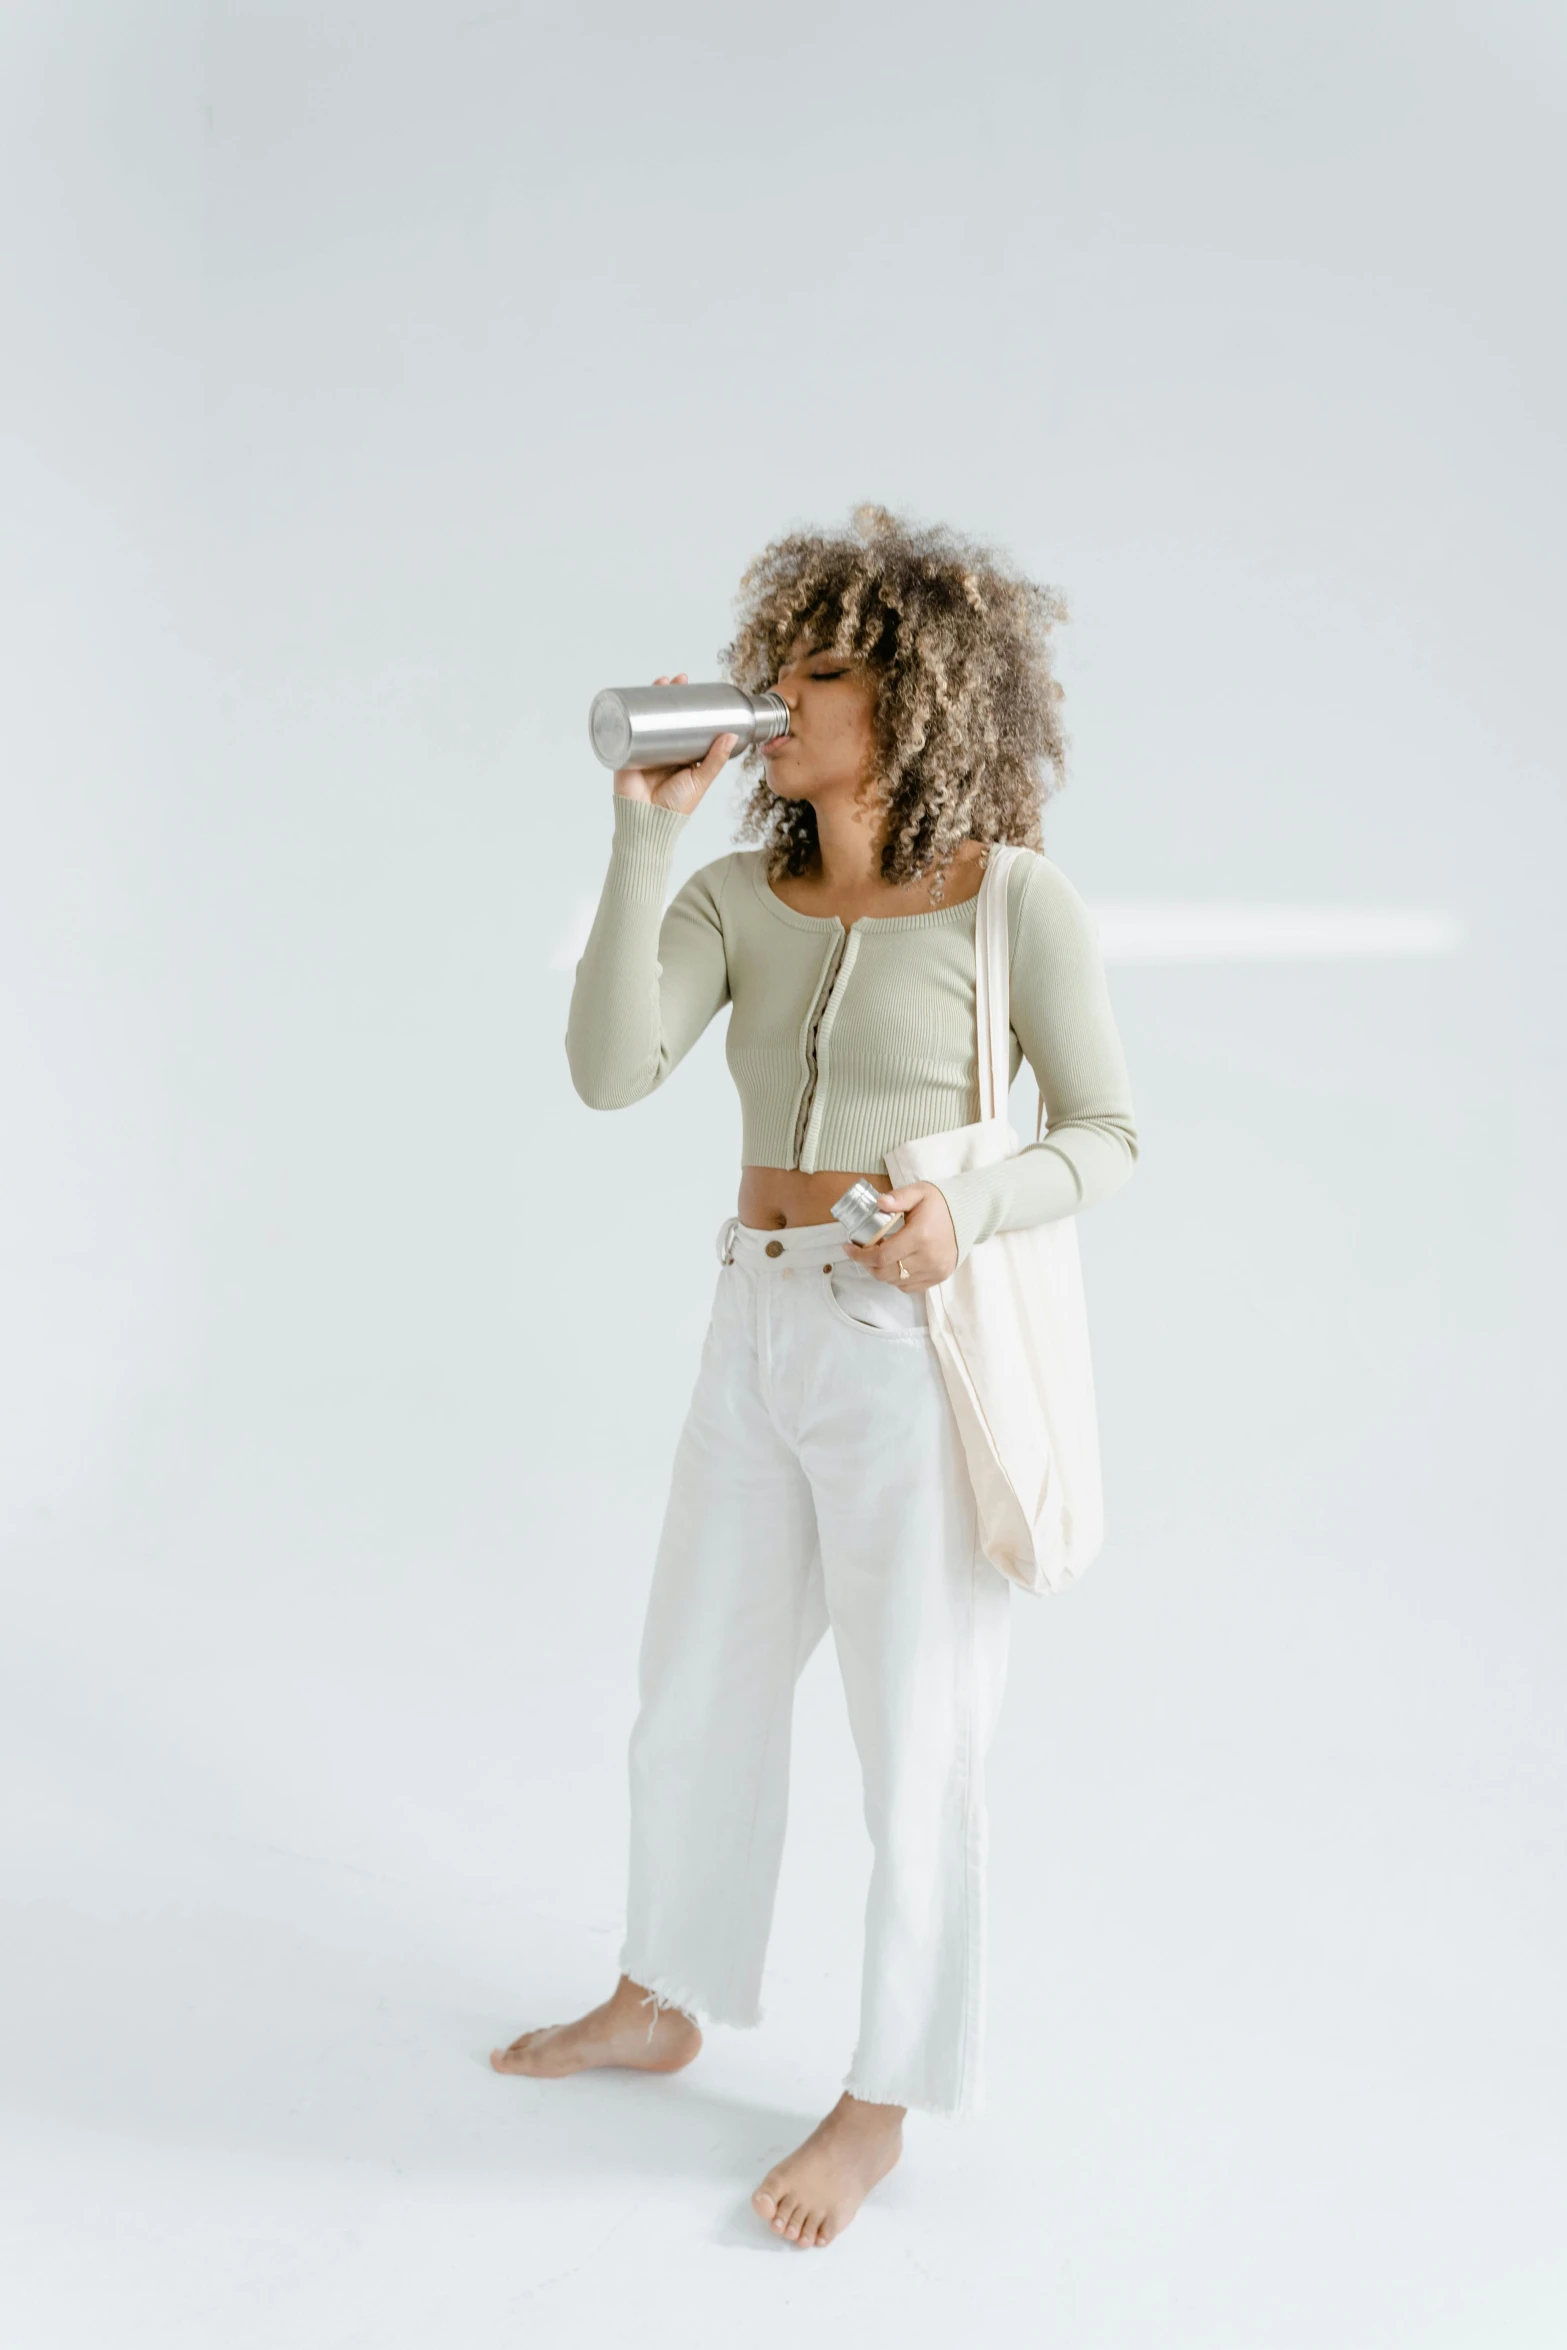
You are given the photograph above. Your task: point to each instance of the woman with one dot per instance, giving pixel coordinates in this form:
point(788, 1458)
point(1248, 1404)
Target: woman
point(819, 1477)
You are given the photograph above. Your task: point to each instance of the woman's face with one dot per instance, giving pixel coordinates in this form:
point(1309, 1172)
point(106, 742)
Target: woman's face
point(829, 750)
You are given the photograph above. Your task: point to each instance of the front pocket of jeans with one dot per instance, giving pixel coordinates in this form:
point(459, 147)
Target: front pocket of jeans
point(915, 1333)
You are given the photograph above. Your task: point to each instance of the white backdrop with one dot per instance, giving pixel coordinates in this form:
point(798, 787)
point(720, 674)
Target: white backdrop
point(381, 380)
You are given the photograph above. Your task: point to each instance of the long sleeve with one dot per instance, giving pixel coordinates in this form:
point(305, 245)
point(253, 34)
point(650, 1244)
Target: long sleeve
point(1062, 1018)
point(649, 980)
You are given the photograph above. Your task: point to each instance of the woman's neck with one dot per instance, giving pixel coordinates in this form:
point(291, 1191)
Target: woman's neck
point(849, 841)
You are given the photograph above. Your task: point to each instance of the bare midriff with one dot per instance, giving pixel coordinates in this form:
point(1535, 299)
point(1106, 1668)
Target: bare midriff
point(772, 1198)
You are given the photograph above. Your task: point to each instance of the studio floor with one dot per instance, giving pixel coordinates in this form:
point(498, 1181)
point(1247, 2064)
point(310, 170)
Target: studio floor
point(1269, 1970)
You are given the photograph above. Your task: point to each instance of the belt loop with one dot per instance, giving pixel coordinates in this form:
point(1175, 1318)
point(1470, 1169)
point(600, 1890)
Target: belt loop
point(726, 1239)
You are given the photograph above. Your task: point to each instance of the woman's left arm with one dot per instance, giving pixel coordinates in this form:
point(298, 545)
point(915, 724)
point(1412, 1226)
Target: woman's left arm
point(1062, 1019)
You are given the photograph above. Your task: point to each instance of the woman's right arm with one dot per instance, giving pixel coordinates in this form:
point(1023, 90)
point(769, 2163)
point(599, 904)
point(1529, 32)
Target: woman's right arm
point(649, 980)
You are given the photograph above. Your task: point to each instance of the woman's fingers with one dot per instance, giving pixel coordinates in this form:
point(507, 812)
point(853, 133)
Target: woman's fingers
point(930, 1237)
point(683, 787)
point(924, 1243)
point(714, 757)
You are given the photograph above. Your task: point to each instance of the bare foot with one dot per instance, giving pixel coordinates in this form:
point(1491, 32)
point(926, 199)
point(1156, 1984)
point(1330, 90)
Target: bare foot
point(616, 2033)
point(812, 2195)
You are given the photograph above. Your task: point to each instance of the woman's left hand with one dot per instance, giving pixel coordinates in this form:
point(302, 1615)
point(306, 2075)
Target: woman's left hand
point(925, 1242)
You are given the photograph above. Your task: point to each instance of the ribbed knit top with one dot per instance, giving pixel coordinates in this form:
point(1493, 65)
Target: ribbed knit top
point(846, 1040)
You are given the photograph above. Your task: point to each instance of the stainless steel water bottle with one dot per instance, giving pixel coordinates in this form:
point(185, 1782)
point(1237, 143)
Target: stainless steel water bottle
point(670, 725)
point(862, 1220)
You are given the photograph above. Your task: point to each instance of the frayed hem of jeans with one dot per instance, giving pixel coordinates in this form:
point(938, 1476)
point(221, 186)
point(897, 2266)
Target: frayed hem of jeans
point(661, 1991)
point(873, 2093)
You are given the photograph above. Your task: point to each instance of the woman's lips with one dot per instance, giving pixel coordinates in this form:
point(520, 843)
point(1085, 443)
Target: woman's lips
point(777, 743)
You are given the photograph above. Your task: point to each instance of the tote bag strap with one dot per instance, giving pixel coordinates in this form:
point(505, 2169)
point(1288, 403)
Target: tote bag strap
point(993, 987)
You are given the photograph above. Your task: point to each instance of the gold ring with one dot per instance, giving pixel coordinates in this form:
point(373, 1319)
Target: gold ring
point(903, 1271)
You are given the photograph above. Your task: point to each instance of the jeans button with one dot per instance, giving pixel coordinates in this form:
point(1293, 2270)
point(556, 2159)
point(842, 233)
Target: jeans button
point(775, 1248)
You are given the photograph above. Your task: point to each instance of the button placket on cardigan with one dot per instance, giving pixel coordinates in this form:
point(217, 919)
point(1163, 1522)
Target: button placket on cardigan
point(814, 1099)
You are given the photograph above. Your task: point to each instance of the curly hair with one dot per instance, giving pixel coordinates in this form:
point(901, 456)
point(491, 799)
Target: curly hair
point(968, 733)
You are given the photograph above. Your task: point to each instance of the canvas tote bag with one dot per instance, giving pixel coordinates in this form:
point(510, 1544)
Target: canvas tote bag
point(1010, 1323)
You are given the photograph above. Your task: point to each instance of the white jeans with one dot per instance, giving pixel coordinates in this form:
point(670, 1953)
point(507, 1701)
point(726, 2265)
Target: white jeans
point(819, 1478)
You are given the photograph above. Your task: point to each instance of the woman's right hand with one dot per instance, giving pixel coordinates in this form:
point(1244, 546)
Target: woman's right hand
point(679, 788)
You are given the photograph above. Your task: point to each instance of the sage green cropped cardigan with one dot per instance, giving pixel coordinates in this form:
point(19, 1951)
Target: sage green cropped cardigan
point(846, 1040)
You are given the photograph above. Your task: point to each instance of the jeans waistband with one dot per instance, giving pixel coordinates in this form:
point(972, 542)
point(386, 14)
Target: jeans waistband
point(749, 1244)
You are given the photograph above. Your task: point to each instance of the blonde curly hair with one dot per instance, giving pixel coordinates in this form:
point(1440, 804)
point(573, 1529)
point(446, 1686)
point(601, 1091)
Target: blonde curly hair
point(968, 733)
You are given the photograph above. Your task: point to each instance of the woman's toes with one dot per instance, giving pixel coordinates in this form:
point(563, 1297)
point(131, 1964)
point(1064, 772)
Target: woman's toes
point(809, 2227)
point(765, 2201)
